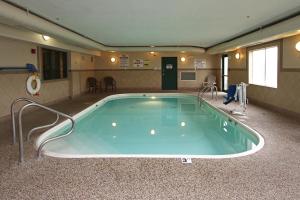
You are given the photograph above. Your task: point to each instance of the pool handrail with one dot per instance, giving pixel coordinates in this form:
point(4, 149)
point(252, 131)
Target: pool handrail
point(33, 103)
point(42, 127)
point(12, 114)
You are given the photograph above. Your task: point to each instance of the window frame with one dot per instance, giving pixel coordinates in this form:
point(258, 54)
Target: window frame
point(40, 62)
point(189, 71)
point(278, 44)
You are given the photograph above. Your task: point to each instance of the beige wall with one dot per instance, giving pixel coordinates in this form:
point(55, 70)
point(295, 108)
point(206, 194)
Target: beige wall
point(150, 76)
point(15, 53)
point(287, 95)
point(82, 67)
point(18, 53)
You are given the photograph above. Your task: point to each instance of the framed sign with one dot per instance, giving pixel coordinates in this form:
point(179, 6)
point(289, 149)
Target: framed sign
point(138, 63)
point(124, 61)
point(199, 63)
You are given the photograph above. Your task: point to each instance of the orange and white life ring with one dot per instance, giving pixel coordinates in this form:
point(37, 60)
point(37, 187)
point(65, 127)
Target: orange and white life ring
point(33, 84)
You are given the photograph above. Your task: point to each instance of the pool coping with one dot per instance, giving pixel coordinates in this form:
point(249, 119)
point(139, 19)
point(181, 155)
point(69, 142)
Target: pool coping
point(115, 96)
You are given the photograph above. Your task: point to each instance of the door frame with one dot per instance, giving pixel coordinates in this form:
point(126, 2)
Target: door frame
point(222, 71)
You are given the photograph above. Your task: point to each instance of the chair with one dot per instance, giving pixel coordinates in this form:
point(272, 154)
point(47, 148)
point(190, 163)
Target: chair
point(92, 84)
point(209, 84)
point(231, 94)
point(109, 82)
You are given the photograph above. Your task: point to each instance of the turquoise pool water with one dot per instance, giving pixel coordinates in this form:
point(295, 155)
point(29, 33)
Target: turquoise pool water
point(151, 126)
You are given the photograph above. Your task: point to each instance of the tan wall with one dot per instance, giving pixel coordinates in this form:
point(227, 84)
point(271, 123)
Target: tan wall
point(150, 76)
point(287, 95)
point(82, 67)
point(15, 53)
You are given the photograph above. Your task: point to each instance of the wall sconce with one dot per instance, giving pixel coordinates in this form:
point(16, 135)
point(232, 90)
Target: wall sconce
point(112, 59)
point(152, 53)
point(297, 46)
point(237, 56)
point(46, 37)
point(182, 59)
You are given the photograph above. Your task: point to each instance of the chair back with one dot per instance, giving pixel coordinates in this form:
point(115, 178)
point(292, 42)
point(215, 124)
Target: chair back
point(231, 91)
point(91, 81)
point(211, 79)
point(108, 80)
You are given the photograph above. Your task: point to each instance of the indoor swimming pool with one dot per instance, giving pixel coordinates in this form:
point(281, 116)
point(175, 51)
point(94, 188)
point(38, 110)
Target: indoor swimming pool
point(152, 125)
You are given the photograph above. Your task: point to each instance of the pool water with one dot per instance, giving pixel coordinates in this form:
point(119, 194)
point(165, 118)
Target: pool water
point(152, 126)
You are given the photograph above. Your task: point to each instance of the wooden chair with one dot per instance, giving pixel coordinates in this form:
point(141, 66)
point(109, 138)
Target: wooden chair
point(109, 82)
point(92, 84)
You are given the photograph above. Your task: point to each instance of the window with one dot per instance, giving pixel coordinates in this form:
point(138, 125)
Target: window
point(188, 76)
point(263, 66)
point(54, 64)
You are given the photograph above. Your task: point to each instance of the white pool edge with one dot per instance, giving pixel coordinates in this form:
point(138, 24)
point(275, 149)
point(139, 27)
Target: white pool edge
point(116, 96)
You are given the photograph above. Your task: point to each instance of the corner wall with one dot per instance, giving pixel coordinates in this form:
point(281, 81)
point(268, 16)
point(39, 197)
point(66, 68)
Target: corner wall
point(286, 96)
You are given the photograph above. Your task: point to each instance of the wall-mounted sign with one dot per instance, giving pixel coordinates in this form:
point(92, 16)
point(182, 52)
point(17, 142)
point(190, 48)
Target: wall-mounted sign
point(199, 63)
point(138, 63)
point(124, 61)
point(146, 63)
point(169, 66)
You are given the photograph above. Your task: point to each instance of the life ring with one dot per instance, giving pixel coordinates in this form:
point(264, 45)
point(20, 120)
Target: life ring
point(33, 79)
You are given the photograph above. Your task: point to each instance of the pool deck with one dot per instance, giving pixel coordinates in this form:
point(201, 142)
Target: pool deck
point(271, 173)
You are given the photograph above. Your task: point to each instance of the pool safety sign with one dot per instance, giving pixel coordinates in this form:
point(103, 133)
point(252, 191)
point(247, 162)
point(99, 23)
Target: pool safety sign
point(138, 63)
point(199, 63)
point(124, 61)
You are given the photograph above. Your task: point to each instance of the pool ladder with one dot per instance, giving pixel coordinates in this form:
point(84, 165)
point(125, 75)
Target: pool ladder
point(31, 103)
point(202, 91)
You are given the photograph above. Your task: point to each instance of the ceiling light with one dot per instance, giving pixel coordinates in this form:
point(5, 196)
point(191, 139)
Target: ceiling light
point(237, 56)
point(153, 97)
point(298, 46)
point(182, 124)
point(182, 59)
point(113, 59)
point(46, 37)
point(152, 52)
point(114, 124)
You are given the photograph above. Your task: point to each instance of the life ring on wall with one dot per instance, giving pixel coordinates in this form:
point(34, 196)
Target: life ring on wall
point(33, 85)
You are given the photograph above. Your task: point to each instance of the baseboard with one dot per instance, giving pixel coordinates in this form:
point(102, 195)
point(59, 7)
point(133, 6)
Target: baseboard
point(283, 111)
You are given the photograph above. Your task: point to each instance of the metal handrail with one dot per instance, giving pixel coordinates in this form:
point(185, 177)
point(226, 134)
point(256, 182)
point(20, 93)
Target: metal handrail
point(33, 103)
point(42, 127)
point(204, 89)
point(12, 114)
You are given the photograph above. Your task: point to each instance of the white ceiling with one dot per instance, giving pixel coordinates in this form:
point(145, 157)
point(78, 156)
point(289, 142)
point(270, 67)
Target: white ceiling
point(161, 22)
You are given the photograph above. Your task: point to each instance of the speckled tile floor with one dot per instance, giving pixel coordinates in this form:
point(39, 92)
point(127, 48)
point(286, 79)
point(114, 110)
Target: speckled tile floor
point(271, 173)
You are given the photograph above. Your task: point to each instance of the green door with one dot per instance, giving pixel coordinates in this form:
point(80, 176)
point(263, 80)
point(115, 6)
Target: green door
point(169, 73)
